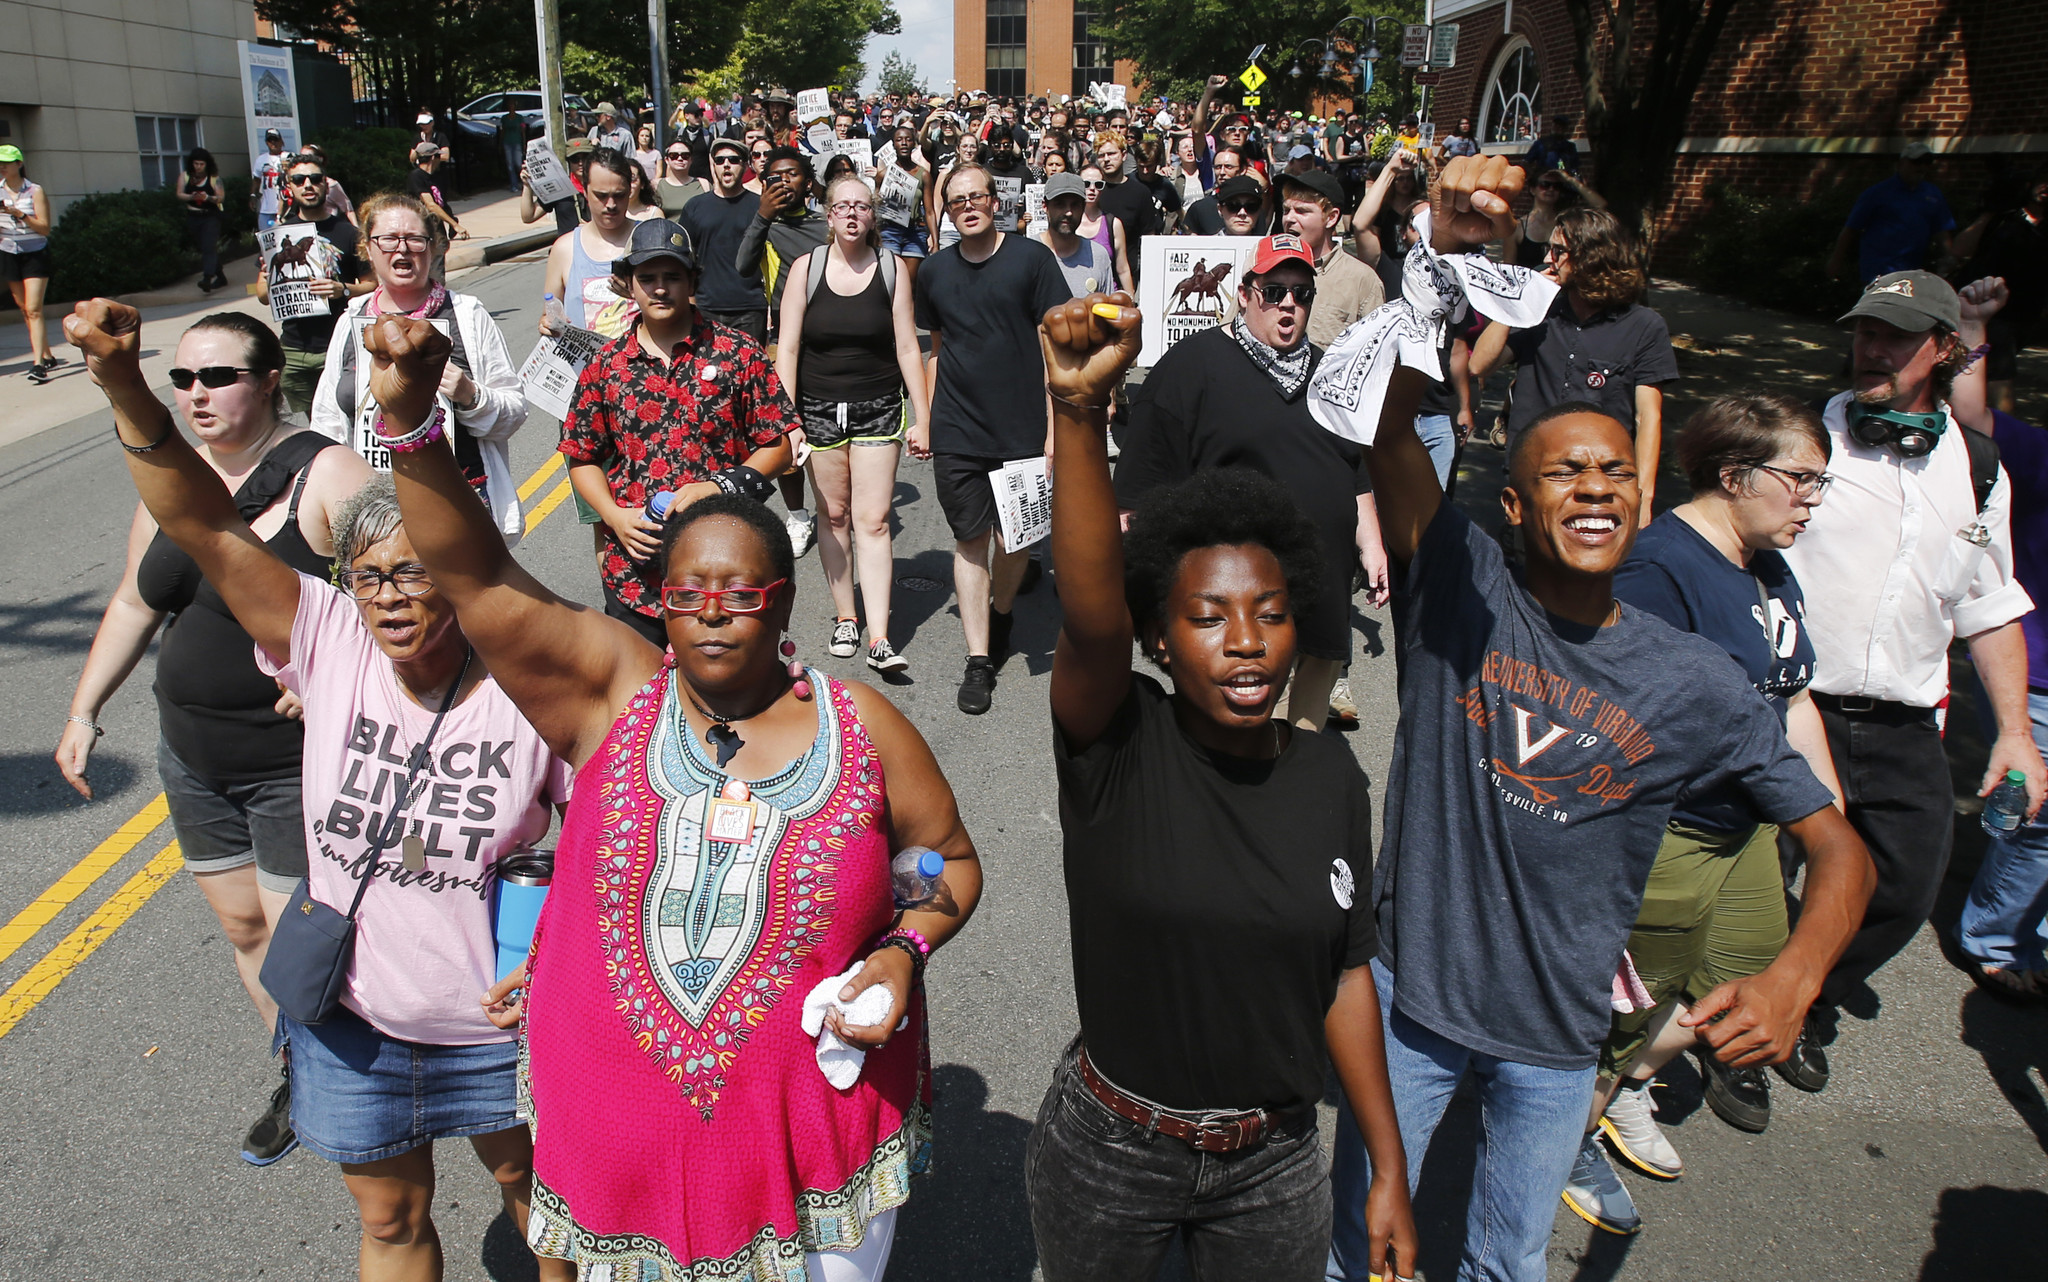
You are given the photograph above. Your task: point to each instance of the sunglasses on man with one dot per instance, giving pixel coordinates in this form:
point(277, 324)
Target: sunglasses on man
point(1275, 295)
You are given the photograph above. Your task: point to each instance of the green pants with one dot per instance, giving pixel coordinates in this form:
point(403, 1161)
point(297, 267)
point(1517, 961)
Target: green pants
point(1714, 911)
point(301, 378)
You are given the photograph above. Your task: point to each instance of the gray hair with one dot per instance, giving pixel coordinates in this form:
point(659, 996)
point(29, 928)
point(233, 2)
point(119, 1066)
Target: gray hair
point(365, 519)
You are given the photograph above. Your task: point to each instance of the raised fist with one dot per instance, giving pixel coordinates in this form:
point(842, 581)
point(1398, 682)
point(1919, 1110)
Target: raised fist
point(1473, 203)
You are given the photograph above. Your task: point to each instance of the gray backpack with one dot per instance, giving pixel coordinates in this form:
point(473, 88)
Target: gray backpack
point(886, 258)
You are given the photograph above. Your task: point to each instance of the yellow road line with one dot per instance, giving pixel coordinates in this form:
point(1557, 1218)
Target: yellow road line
point(556, 497)
point(81, 877)
point(43, 977)
point(539, 477)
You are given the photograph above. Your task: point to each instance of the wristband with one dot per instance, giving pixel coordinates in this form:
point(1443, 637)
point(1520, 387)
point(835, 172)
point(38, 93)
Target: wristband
point(908, 949)
point(170, 430)
point(916, 939)
point(1079, 405)
point(744, 480)
point(417, 439)
point(1975, 354)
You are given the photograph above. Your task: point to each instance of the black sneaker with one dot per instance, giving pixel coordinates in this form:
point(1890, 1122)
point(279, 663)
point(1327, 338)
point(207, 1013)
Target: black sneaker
point(272, 1136)
point(882, 657)
point(999, 627)
point(53, 360)
point(845, 641)
point(1740, 1097)
point(1808, 1067)
point(39, 373)
point(977, 687)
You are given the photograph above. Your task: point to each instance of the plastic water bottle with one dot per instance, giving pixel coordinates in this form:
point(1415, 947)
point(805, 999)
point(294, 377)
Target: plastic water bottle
point(658, 506)
point(2006, 806)
point(914, 874)
point(557, 318)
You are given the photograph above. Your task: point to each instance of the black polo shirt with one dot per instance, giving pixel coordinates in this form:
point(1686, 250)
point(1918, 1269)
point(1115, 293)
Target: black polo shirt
point(1603, 359)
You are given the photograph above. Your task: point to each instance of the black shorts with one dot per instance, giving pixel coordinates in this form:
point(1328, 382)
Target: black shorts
point(35, 263)
point(965, 494)
point(831, 424)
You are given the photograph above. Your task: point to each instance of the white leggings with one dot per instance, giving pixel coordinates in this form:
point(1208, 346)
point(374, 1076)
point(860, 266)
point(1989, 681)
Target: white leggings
point(863, 1264)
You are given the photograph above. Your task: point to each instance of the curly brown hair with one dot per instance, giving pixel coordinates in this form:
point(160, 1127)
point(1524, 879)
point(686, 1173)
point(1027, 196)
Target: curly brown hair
point(1607, 262)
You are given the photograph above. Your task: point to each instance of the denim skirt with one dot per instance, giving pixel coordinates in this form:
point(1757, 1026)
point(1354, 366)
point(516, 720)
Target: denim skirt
point(359, 1096)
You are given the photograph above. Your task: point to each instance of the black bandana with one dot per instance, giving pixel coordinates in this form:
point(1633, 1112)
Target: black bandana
point(1288, 370)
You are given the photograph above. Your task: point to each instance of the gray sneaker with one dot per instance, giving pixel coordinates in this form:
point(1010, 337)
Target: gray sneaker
point(1596, 1194)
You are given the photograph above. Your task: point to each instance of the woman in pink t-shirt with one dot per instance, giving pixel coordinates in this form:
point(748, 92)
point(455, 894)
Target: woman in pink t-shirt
point(412, 1055)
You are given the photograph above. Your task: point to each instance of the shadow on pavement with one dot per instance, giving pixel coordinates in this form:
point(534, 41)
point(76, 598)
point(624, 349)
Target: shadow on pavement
point(30, 784)
point(1987, 1232)
point(968, 1218)
point(505, 1257)
point(64, 623)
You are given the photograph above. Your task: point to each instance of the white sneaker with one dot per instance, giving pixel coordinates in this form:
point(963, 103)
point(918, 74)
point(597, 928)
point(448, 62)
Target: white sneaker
point(803, 530)
point(1633, 1131)
point(1343, 708)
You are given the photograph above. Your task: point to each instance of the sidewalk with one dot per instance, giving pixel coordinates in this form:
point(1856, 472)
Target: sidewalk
point(25, 409)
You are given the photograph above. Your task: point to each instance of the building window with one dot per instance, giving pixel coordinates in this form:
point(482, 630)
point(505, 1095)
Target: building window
point(163, 142)
point(1092, 62)
point(1512, 110)
point(1006, 48)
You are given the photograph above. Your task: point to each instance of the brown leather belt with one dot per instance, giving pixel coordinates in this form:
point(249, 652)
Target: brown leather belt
point(1207, 1132)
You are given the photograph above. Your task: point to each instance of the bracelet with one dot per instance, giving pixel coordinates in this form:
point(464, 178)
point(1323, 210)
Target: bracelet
point(1079, 405)
point(917, 940)
point(170, 430)
point(88, 722)
point(1974, 355)
point(418, 438)
point(907, 948)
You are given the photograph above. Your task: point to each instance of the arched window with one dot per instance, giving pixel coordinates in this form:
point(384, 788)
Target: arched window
point(1512, 108)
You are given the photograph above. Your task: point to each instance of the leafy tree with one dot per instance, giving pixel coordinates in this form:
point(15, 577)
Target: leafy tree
point(431, 52)
point(803, 44)
point(700, 37)
point(589, 72)
point(1178, 44)
point(899, 75)
point(1637, 100)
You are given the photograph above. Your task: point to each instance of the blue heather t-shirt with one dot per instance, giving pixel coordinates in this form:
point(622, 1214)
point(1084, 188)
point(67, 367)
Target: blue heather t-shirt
point(1675, 574)
point(1535, 767)
point(1897, 223)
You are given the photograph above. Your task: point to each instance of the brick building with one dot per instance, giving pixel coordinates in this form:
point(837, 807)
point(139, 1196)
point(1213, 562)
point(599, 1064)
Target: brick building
point(1803, 97)
point(1041, 47)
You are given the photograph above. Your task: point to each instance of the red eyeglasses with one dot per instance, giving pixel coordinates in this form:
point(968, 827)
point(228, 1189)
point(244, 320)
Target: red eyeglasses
point(688, 598)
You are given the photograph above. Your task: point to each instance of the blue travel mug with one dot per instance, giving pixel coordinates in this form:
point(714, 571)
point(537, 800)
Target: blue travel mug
point(516, 896)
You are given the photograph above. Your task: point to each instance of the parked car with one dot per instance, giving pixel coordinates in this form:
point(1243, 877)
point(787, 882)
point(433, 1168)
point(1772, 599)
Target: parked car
point(481, 115)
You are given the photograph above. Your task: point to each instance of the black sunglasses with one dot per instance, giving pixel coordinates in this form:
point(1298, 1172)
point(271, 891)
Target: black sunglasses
point(297, 179)
point(1305, 294)
point(1243, 206)
point(212, 376)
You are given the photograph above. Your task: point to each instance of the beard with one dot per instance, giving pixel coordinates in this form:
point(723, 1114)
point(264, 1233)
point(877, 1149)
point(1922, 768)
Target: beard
point(1880, 394)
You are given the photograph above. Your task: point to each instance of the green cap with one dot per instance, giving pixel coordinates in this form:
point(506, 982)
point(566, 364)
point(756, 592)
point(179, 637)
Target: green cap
point(2015, 776)
point(9, 152)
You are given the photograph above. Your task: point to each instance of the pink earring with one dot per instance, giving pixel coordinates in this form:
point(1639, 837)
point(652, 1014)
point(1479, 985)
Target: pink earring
point(796, 670)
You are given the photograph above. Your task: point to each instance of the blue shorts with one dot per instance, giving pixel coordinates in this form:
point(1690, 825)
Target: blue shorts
point(904, 242)
point(359, 1096)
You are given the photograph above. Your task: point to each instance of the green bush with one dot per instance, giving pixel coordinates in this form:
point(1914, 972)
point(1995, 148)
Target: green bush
point(120, 242)
point(1771, 250)
point(237, 216)
point(366, 161)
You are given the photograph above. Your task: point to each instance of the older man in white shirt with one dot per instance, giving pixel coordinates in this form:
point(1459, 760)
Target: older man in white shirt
point(1903, 558)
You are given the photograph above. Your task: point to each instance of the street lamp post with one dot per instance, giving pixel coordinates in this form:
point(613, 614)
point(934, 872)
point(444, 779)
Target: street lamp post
point(1333, 65)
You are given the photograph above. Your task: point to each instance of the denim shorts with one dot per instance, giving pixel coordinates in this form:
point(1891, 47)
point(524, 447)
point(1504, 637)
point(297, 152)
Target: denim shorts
point(904, 242)
point(226, 826)
point(359, 1096)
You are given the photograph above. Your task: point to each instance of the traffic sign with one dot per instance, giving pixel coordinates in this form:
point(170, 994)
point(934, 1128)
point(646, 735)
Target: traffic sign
point(1249, 100)
point(1429, 77)
point(1251, 78)
point(1414, 44)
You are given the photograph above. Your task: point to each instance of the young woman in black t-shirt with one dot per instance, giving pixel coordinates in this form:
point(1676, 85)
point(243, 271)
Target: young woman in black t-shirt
point(1217, 865)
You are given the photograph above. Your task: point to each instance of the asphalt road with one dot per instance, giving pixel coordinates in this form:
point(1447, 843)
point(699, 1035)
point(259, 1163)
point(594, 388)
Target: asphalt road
point(125, 1090)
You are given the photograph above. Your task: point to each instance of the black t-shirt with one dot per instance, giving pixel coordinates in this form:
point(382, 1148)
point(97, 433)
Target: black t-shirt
point(989, 401)
point(1130, 201)
point(716, 225)
point(1203, 218)
point(426, 187)
point(1603, 359)
point(337, 260)
point(1535, 767)
point(1213, 902)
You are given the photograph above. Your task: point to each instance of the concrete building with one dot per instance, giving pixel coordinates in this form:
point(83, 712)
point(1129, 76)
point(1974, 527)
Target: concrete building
point(1040, 47)
point(102, 95)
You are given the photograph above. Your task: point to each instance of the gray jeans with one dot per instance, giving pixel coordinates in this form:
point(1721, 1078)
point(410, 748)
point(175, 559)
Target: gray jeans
point(1107, 1200)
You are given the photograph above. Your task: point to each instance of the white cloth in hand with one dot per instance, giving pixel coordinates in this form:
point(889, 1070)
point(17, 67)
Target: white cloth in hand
point(839, 1060)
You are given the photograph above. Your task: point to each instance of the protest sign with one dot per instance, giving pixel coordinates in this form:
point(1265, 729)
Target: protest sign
point(294, 256)
point(546, 175)
point(1023, 491)
point(813, 104)
point(549, 375)
point(1188, 284)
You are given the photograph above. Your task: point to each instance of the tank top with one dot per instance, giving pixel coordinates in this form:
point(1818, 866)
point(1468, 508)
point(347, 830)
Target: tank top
point(591, 303)
point(217, 710)
point(849, 347)
point(1105, 236)
point(16, 208)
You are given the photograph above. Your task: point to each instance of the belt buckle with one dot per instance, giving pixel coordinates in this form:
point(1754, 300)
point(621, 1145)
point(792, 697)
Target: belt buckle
point(1856, 703)
point(1228, 1137)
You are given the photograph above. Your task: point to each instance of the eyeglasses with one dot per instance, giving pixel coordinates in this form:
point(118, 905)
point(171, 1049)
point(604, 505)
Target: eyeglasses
point(1806, 485)
point(852, 207)
point(306, 179)
point(966, 199)
point(392, 243)
point(212, 376)
point(368, 585)
point(727, 158)
point(1555, 250)
point(684, 598)
point(1304, 294)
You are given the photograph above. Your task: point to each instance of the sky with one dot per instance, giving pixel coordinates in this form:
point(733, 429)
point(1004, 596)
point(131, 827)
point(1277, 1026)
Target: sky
point(927, 40)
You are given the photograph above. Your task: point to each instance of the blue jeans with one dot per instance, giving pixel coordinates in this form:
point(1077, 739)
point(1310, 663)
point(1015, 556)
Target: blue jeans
point(1534, 1119)
point(2002, 921)
point(1440, 437)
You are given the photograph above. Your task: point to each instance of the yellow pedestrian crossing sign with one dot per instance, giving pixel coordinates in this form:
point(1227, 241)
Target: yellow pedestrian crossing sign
point(1251, 78)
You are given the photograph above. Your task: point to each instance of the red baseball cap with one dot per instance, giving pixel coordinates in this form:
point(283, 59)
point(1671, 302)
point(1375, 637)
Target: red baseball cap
point(1282, 248)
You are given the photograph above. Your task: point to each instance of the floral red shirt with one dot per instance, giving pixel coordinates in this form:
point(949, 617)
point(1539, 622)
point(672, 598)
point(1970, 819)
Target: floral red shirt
point(655, 426)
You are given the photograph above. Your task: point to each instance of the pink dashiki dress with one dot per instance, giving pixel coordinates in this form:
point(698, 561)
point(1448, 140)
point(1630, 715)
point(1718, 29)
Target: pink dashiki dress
point(682, 1128)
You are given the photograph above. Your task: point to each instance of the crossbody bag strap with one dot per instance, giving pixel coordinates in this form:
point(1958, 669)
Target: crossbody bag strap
point(412, 770)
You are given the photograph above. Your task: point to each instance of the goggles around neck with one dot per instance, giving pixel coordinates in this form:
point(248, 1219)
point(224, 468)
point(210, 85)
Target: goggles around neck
point(1905, 434)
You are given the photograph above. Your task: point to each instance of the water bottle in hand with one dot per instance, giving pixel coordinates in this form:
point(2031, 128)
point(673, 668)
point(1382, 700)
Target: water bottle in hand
point(658, 506)
point(914, 875)
point(2006, 806)
point(557, 320)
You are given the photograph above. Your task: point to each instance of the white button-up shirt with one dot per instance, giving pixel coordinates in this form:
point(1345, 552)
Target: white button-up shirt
point(1897, 562)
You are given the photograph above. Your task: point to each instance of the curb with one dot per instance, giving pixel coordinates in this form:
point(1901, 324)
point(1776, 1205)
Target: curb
point(497, 251)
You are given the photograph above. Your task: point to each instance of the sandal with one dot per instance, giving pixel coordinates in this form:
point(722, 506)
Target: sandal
point(2010, 983)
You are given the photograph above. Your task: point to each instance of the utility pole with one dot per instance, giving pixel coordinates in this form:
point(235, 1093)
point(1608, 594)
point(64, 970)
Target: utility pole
point(547, 22)
point(657, 39)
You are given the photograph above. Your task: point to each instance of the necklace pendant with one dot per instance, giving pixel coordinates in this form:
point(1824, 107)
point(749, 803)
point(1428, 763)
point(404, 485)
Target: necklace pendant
point(725, 742)
point(412, 852)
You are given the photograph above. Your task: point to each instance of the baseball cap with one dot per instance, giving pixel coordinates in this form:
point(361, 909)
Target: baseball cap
point(1916, 151)
point(425, 150)
point(1235, 118)
point(657, 238)
point(1320, 182)
point(1278, 249)
point(1242, 185)
point(10, 152)
point(1913, 301)
point(1064, 184)
point(606, 109)
point(1297, 151)
point(424, 118)
point(268, 134)
point(580, 147)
